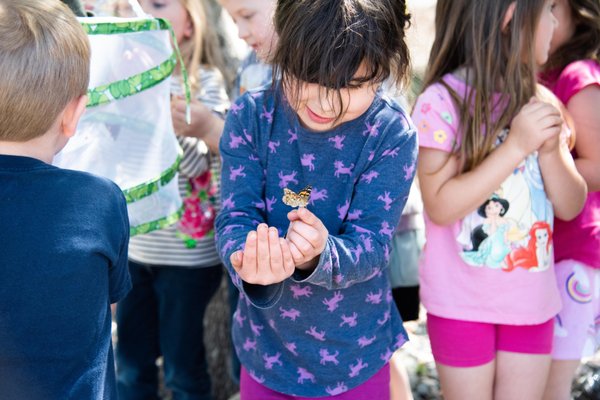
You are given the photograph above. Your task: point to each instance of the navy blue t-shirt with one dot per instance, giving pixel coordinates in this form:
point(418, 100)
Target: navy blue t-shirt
point(63, 260)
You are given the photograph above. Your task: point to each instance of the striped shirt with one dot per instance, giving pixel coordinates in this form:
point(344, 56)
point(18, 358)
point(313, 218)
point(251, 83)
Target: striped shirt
point(163, 247)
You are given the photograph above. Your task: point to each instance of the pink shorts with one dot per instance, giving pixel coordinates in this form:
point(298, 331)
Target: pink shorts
point(577, 326)
point(377, 387)
point(469, 344)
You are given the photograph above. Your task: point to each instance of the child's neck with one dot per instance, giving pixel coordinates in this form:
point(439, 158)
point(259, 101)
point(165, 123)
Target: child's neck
point(42, 148)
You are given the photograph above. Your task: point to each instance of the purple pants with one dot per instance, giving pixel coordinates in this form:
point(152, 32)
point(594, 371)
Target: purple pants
point(377, 387)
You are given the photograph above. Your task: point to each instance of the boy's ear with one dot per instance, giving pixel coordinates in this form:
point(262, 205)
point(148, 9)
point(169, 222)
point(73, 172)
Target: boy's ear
point(71, 115)
point(508, 16)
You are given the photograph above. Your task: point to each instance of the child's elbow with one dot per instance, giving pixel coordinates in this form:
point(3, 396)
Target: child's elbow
point(573, 206)
point(438, 216)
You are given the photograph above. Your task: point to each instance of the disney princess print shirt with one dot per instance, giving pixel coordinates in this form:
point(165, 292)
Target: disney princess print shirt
point(496, 264)
point(328, 332)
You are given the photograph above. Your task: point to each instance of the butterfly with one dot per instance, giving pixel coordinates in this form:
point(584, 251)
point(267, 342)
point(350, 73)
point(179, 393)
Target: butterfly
point(299, 199)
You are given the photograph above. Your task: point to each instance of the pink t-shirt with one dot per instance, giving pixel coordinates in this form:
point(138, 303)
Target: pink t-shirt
point(579, 239)
point(496, 264)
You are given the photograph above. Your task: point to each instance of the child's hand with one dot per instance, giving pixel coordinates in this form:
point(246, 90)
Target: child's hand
point(200, 115)
point(536, 124)
point(204, 124)
point(266, 258)
point(307, 237)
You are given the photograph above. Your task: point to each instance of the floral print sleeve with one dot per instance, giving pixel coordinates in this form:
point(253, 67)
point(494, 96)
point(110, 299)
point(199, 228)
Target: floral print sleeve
point(436, 119)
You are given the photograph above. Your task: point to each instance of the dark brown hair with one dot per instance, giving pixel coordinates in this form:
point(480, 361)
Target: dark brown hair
point(469, 35)
point(585, 43)
point(325, 42)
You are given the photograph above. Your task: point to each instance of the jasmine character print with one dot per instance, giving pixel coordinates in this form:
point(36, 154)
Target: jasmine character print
point(513, 227)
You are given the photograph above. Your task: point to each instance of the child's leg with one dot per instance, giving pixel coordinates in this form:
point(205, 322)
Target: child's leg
point(521, 376)
point(465, 383)
point(560, 379)
point(464, 352)
point(399, 382)
point(523, 360)
point(137, 331)
point(183, 295)
point(574, 327)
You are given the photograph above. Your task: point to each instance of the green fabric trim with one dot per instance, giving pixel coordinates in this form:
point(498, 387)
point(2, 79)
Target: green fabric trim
point(133, 85)
point(156, 225)
point(138, 83)
point(125, 26)
point(147, 188)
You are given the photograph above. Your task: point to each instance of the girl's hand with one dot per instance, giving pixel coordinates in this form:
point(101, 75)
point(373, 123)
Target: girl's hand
point(536, 124)
point(204, 123)
point(307, 237)
point(199, 114)
point(266, 258)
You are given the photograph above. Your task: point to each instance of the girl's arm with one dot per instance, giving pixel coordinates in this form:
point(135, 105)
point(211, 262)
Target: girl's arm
point(449, 196)
point(565, 188)
point(583, 107)
point(196, 158)
point(360, 249)
point(240, 225)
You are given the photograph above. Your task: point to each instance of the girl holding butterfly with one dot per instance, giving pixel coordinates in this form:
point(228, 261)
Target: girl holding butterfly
point(316, 316)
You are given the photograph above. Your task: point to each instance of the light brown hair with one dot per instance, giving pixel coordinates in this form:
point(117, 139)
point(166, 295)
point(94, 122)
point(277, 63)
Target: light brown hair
point(203, 47)
point(44, 64)
point(469, 35)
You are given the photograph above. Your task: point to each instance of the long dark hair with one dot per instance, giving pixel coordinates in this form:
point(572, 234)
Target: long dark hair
point(585, 43)
point(326, 41)
point(469, 35)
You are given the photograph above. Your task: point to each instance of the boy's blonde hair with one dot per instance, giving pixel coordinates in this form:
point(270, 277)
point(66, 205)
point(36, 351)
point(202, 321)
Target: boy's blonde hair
point(44, 64)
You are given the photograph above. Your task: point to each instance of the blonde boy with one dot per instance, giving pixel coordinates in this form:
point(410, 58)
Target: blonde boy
point(63, 233)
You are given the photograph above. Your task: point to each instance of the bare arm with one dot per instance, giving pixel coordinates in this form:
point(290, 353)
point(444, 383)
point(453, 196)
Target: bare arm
point(449, 196)
point(583, 107)
point(565, 188)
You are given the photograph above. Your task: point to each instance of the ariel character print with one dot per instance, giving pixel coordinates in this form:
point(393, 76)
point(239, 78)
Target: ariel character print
point(538, 253)
point(490, 244)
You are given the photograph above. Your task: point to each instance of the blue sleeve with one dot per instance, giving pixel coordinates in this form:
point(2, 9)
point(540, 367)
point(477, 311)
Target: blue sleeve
point(242, 187)
point(362, 248)
point(119, 280)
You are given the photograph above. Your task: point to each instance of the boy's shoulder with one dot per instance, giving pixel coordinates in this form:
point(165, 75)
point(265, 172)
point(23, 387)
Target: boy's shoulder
point(85, 186)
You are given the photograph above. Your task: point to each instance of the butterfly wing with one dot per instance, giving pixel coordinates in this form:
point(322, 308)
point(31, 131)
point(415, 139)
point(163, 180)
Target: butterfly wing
point(294, 199)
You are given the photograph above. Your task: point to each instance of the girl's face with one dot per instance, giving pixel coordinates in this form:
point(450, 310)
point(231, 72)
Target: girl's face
point(541, 236)
point(566, 25)
point(174, 12)
point(318, 110)
point(493, 209)
point(254, 20)
point(544, 32)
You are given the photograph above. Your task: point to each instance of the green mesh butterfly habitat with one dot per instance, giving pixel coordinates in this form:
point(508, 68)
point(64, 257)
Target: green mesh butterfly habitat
point(126, 133)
